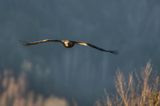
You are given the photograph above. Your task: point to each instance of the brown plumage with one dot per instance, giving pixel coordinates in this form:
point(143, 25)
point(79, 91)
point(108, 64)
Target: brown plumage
point(69, 44)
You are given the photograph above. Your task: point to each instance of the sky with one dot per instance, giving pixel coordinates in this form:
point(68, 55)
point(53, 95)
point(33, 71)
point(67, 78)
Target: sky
point(130, 26)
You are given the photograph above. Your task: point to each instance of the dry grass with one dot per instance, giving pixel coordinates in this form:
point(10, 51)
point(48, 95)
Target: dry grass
point(138, 90)
point(13, 93)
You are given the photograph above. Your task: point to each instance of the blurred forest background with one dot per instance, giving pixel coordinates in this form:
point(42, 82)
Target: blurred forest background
point(79, 74)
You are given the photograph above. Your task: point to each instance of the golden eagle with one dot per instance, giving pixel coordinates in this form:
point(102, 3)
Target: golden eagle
point(70, 44)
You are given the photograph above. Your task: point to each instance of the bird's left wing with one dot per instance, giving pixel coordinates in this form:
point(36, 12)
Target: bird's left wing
point(98, 48)
point(40, 41)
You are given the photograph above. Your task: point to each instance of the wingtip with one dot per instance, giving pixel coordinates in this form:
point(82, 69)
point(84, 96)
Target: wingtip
point(23, 43)
point(114, 52)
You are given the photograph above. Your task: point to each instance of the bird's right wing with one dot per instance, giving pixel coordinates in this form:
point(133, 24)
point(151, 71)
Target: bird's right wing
point(95, 47)
point(40, 41)
point(104, 50)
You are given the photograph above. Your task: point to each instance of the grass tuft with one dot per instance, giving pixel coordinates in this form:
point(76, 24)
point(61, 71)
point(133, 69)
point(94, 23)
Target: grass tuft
point(13, 92)
point(138, 90)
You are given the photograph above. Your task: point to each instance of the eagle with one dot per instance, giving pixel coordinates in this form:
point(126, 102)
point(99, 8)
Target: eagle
point(69, 44)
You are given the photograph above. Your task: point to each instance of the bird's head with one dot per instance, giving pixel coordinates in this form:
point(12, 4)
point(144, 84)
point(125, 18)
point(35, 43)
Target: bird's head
point(68, 43)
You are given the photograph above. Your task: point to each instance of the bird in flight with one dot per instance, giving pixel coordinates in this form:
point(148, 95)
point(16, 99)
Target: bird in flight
point(69, 44)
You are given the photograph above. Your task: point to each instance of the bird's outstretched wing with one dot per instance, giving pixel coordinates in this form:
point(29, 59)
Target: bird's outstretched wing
point(40, 41)
point(98, 48)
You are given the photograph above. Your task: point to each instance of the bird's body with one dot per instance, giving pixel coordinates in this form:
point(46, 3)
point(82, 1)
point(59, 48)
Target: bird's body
point(70, 44)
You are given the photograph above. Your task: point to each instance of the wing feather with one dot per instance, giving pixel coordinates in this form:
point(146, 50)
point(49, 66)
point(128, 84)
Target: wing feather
point(41, 41)
point(98, 48)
